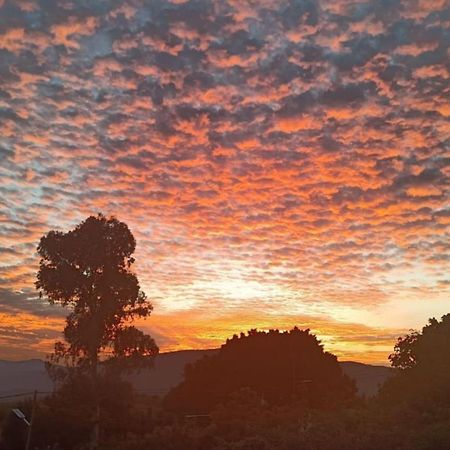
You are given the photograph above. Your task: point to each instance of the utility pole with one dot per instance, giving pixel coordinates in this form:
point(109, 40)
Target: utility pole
point(30, 428)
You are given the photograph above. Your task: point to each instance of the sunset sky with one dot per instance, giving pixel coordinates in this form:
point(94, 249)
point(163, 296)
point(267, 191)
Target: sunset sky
point(280, 163)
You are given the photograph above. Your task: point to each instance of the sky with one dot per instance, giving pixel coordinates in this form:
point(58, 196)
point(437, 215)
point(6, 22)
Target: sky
point(279, 162)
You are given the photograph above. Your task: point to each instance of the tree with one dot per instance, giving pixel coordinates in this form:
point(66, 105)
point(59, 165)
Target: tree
point(89, 270)
point(427, 349)
point(423, 363)
point(280, 367)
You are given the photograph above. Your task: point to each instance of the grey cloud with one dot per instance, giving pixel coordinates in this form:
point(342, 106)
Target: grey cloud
point(427, 176)
point(96, 46)
point(297, 11)
point(28, 301)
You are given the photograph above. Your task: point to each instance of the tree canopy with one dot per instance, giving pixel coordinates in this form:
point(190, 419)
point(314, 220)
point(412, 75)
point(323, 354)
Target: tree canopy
point(279, 366)
point(429, 349)
point(423, 363)
point(89, 270)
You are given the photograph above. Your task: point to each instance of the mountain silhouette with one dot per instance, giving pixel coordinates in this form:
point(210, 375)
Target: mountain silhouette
point(17, 377)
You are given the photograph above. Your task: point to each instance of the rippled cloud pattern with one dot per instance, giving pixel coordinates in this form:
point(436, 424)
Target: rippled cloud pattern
point(279, 162)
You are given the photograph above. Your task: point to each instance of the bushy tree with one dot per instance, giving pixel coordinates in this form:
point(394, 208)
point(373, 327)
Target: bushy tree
point(428, 349)
point(280, 367)
point(89, 270)
point(423, 363)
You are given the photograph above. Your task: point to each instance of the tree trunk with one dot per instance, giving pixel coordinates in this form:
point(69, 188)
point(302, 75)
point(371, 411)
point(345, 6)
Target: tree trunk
point(95, 438)
point(96, 427)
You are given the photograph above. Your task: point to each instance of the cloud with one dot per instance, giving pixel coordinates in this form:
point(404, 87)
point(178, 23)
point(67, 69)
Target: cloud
point(296, 148)
point(15, 302)
point(347, 340)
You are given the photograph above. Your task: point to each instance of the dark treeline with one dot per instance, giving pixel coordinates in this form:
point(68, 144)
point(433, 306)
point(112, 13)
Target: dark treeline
point(260, 391)
point(278, 367)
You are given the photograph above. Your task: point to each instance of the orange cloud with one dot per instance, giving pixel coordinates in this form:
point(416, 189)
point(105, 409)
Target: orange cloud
point(64, 33)
point(277, 168)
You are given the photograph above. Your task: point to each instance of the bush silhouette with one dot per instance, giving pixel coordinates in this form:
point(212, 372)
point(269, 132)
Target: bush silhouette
point(280, 367)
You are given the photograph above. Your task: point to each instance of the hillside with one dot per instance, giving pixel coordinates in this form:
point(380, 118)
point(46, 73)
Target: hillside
point(18, 377)
point(167, 371)
point(368, 378)
point(26, 376)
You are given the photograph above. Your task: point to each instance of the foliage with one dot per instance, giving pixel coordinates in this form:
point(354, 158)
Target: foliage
point(65, 417)
point(89, 270)
point(426, 349)
point(361, 427)
point(404, 356)
point(415, 418)
point(278, 366)
point(423, 363)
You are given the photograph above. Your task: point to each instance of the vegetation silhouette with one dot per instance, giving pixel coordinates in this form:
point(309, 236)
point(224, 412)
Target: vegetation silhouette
point(248, 420)
point(89, 270)
point(423, 363)
point(279, 367)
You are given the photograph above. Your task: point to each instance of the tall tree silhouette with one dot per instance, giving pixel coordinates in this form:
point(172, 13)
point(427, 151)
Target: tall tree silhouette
point(280, 367)
point(89, 270)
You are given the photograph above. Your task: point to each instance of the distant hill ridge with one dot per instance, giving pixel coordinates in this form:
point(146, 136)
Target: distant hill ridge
point(18, 377)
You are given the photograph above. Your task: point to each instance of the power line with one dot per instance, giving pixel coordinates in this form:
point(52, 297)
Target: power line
point(23, 394)
point(136, 391)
